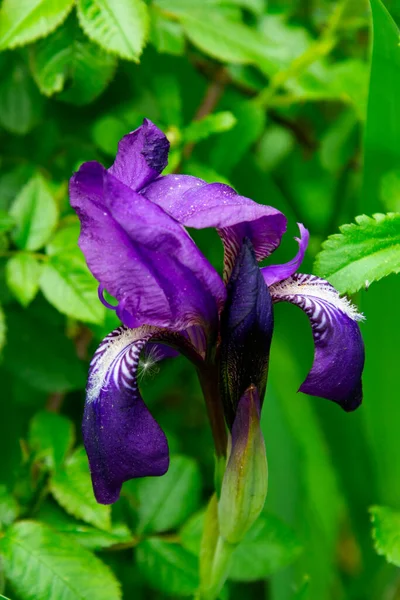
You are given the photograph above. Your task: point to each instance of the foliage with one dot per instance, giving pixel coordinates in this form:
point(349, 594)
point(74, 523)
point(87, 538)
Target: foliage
point(275, 99)
point(386, 527)
point(361, 253)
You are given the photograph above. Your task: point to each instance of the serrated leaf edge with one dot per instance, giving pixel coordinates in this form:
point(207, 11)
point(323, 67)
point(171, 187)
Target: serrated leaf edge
point(50, 30)
point(331, 243)
point(377, 545)
point(88, 32)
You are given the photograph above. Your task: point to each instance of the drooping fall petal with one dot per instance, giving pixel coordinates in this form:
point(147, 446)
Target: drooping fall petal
point(339, 348)
point(122, 439)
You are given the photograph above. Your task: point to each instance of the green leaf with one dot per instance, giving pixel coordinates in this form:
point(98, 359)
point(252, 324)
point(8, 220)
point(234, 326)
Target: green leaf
point(363, 252)
point(269, 546)
point(106, 133)
point(8, 507)
point(23, 21)
point(230, 148)
point(120, 27)
point(221, 38)
point(168, 91)
point(339, 143)
point(41, 563)
point(6, 221)
point(386, 533)
point(382, 150)
point(23, 273)
point(51, 436)
point(35, 213)
point(72, 488)
point(21, 105)
point(66, 281)
point(168, 567)
point(67, 284)
point(209, 538)
point(67, 59)
point(86, 535)
point(390, 190)
point(311, 499)
point(166, 502)
point(208, 125)
point(167, 36)
point(30, 354)
point(3, 329)
point(191, 532)
point(205, 172)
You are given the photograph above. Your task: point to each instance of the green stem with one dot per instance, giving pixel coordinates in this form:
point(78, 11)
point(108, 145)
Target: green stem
point(208, 377)
point(219, 570)
point(320, 48)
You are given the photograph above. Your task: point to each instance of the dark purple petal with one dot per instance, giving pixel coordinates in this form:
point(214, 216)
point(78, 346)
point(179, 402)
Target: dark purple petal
point(246, 332)
point(197, 204)
point(339, 349)
point(275, 273)
point(121, 438)
point(141, 156)
point(142, 256)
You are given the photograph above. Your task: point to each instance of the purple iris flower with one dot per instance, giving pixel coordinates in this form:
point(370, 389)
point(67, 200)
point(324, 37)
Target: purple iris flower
point(169, 296)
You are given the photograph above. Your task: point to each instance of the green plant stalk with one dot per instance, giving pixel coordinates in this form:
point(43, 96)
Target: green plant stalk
point(320, 48)
point(219, 570)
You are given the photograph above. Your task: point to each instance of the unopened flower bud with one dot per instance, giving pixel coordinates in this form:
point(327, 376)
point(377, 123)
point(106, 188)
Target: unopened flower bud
point(245, 482)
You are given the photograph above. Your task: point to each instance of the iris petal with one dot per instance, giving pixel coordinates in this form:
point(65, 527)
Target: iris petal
point(121, 438)
point(339, 349)
point(275, 273)
point(246, 332)
point(194, 203)
point(141, 156)
point(142, 256)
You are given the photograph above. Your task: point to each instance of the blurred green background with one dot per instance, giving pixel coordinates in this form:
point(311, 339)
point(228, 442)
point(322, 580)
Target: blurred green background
point(276, 99)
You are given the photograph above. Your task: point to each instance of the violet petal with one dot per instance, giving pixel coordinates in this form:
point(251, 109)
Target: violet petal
point(274, 273)
point(142, 256)
point(141, 156)
point(121, 437)
point(246, 332)
point(339, 349)
point(197, 204)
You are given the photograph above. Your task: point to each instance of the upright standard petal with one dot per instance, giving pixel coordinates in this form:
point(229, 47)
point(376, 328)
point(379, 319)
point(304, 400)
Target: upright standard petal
point(142, 256)
point(121, 438)
point(275, 273)
point(246, 332)
point(194, 203)
point(141, 156)
point(339, 349)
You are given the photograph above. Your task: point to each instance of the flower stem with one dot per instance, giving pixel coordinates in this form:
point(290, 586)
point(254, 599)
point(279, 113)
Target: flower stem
point(219, 570)
point(208, 377)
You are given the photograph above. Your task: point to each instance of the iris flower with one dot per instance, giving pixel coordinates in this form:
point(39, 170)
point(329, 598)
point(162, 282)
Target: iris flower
point(169, 296)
